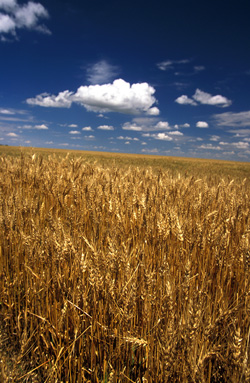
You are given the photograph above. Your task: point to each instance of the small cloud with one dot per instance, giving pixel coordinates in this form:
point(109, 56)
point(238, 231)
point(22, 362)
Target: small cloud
point(150, 150)
point(129, 126)
point(185, 100)
point(87, 128)
point(41, 127)
point(73, 126)
point(27, 142)
point(199, 68)
point(90, 137)
point(74, 132)
point(105, 127)
point(102, 73)
point(208, 99)
point(162, 125)
point(170, 64)
point(12, 135)
point(63, 100)
point(214, 138)
point(153, 111)
point(7, 111)
point(205, 99)
point(176, 133)
point(209, 147)
point(202, 124)
point(162, 136)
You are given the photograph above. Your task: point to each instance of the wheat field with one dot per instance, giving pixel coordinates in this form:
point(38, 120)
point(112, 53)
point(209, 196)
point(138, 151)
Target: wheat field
point(122, 273)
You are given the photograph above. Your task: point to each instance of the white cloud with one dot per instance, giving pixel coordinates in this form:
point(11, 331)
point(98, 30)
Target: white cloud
point(7, 25)
point(105, 127)
point(199, 68)
point(101, 73)
point(204, 98)
point(153, 111)
point(22, 16)
point(63, 100)
point(7, 111)
point(119, 97)
point(176, 133)
point(169, 64)
point(74, 132)
point(214, 138)
point(133, 126)
point(12, 135)
point(162, 136)
point(150, 151)
point(162, 125)
point(41, 127)
point(73, 126)
point(209, 146)
point(202, 124)
point(8, 5)
point(208, 99)
point(237, 145)
point(185, 100)
point(230, 119)
point(87, 128)
point(146, 125)
point(241, 145)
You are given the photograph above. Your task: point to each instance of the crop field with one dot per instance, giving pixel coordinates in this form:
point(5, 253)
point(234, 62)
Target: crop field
point(122, 268)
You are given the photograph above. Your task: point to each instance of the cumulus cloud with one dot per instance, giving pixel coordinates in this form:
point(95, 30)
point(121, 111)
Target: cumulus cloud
point(162, 125)
point(62, 100)
point(204, 98)
point(73, 126)
point(185, 100)
point(12, 134)
point(162, 136)
point(102, 73)
point(87, 128)
point(25, 16)
point(202, 124)
point(120, 97)
point(153, 111)
point(230, 119)
point(105, 127)
point(41, 127)
point(208, 99)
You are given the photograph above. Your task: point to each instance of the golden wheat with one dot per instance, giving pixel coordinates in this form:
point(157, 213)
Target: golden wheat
point(114, 274)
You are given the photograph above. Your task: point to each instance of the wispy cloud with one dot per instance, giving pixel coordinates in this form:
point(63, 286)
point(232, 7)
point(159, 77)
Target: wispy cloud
point(170, 64)
point(25, 16)
point(204, 98)
point(102, 73)
point(241, 119)
point(120, 96)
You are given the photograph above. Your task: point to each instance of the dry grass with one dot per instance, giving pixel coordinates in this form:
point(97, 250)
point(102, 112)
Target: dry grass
point(115, 274)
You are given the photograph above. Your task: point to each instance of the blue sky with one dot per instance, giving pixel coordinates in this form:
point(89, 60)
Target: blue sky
point(165, 77)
